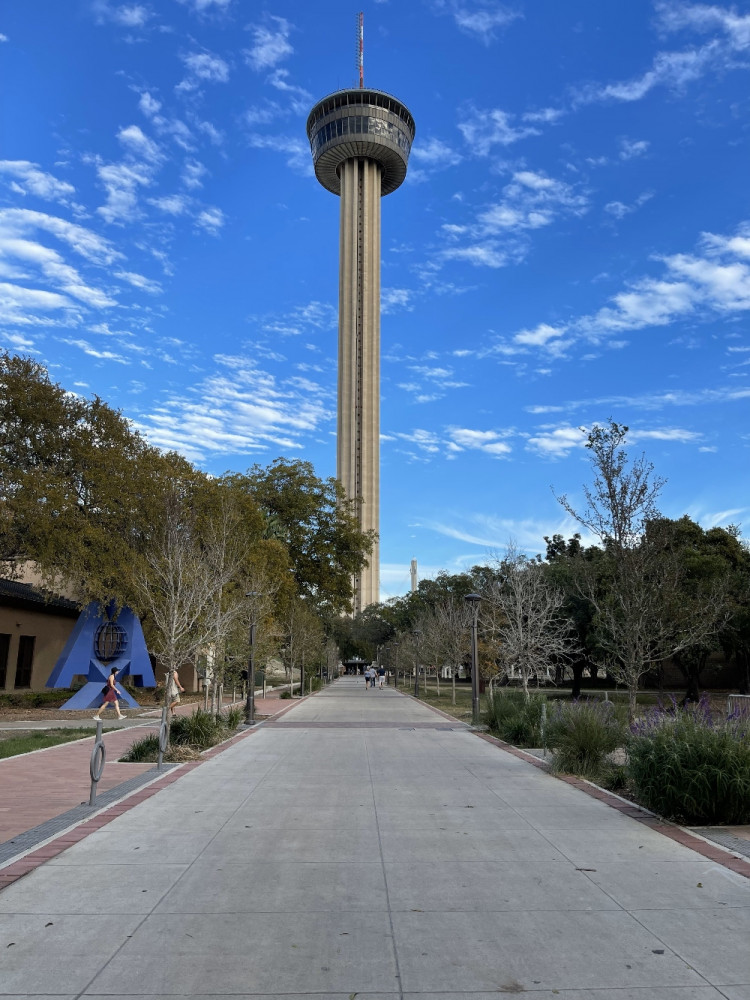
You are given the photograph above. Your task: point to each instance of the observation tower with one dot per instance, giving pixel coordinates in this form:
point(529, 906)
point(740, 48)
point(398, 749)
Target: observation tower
point(360, 141)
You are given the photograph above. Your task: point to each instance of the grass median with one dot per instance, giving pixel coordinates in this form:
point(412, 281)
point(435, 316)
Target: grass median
point(15, 742)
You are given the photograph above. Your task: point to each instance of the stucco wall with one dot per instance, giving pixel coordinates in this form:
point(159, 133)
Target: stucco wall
point(50, 635)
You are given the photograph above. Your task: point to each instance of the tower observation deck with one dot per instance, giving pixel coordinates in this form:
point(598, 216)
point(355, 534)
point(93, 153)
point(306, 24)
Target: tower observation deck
point(360, 142)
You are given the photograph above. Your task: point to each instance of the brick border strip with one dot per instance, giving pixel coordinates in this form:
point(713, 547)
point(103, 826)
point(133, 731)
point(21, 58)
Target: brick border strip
point(35, 858)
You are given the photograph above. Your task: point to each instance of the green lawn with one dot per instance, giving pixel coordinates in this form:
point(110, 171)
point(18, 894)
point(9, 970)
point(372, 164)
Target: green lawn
point(12, 743)
point(462, 708)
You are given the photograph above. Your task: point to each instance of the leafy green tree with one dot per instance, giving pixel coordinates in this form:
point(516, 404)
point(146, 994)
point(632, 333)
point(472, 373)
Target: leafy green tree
point(81, 492)
point(319, 527)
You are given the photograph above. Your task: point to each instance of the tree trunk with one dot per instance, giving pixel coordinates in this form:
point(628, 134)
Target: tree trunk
point(577, 667)
point(453, 686)
point(632, 701)
point(437, 680)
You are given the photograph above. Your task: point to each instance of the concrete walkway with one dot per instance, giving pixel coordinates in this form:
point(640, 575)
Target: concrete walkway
point(364, 846)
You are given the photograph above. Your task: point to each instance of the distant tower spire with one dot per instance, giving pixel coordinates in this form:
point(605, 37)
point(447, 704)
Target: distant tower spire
point(361, 49)
point(414, 576)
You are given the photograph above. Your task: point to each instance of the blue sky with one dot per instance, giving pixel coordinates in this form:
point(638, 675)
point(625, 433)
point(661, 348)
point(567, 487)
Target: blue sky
point(571, 243)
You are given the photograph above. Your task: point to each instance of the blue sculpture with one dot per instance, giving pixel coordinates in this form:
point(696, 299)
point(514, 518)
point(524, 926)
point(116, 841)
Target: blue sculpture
point(96, 644)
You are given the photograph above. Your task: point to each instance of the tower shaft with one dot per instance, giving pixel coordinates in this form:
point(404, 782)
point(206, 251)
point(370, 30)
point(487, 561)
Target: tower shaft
point(358, 442)
point(360, 142)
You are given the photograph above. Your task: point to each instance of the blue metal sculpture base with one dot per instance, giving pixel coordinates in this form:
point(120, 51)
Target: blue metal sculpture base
point(121, 645)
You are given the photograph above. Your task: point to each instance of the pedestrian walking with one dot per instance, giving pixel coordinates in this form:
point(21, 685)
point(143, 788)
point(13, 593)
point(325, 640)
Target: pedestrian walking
point(111, 694)
point(381, 676)
point(173, 690)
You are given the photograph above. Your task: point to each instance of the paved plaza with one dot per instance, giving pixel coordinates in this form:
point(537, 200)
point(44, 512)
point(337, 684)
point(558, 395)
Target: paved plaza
point(364, 846)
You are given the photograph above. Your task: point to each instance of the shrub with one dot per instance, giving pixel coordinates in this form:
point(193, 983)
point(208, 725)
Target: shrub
point(145, 749)
point(582, 734)
point(285, 694)
point(514, 718)
point(692, 766)
point(201, 729)
point(234, 717)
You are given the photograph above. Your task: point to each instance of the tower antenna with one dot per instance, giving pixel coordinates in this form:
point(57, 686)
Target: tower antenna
point(361, 49)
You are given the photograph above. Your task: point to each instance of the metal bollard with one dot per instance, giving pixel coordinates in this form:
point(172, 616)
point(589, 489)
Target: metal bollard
point(163, 737)
point(96, 765)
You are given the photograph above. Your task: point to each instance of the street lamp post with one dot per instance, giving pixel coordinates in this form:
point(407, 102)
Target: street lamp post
point(416, 633)
point(473, 600)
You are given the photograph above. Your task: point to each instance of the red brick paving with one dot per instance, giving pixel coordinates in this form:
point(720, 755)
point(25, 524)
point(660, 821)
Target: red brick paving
point(39, 786)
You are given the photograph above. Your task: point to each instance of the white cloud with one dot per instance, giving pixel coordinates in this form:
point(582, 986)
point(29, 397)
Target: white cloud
point(296, 150)
point(545, 116)
point(300, 98)
point(484, 129)
point(28, 178)
point(619, 209)
point(172, 204)
point(435, 154)
point(632, 148)
point(126, 15)
point(270, 44)
point(211, 220)
point(673, 70)
point(201, 6)
point(3, 38)
point(94, 352)
point(490, 442)
point(540, 336)
point(121, 182)
point(139, 281)
point(20, 222)
point(557, 442)
point(302, 319)
point(479, 19)
point(392, 299)
point(485, 254)
point(707, 17)
point(193, 173)
point(202, 67)
point(530, 201)
point(138, 144)
point(149, 105)
point(240, 409)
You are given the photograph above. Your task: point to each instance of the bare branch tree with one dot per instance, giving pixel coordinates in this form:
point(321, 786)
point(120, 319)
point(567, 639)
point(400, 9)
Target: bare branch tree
point(536, 636)
point(642, 612)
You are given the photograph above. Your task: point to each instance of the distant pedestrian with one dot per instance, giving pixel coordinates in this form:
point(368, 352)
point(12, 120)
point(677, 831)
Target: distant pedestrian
point(173, 690)
point(111, 694)
point(381, 676)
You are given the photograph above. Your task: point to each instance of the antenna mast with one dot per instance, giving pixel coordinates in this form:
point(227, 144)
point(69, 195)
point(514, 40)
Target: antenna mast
point(361, 49)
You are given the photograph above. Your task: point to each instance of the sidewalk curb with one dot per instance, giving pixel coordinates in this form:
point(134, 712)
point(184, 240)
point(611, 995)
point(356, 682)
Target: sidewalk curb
point(36, 857)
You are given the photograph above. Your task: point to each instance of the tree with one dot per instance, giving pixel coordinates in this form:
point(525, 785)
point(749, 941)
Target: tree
point(536, 636)
point(319, 527)
point(446, 636)
point(81, 493)
point(174, 591)
point(638, 595)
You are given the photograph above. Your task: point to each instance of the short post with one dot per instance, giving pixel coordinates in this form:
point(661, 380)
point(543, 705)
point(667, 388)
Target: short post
point(98, 760)
point(163, 738)
point(473, 600)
